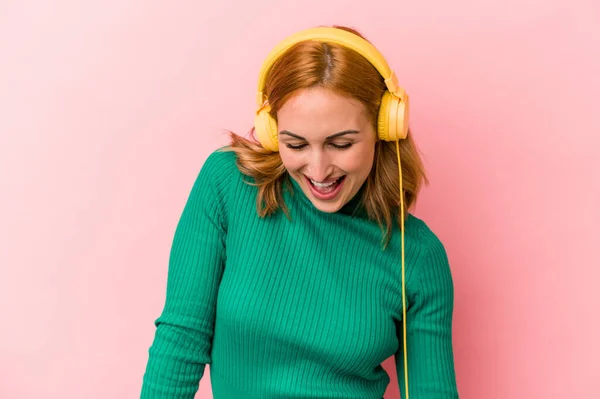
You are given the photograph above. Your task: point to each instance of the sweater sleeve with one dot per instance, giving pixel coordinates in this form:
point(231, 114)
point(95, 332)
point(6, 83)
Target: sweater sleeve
point(431, 373)
point(183, 336)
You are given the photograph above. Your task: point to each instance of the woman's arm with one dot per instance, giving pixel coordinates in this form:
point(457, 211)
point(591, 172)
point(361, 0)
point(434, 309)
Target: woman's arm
point(431, 372)
point(184, 331)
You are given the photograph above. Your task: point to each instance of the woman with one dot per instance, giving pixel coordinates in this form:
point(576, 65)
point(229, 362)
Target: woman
point(283, 274)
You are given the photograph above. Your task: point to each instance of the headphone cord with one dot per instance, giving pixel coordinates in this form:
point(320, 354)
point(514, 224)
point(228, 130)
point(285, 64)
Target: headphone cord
point(403, 284)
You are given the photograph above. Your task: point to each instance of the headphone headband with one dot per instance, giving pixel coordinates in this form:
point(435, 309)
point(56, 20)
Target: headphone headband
point(337, 36)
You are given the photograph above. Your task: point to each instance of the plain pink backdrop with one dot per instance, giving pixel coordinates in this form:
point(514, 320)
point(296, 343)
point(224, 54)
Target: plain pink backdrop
point(109, 108)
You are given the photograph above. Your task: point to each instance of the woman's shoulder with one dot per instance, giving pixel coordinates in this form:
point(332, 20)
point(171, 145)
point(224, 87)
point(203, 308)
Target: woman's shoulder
point(221, 160)
point(424, 236)
point(220, 168)
point(218, 176)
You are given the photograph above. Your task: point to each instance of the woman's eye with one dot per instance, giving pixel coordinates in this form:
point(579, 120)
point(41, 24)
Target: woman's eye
point(296, 147)
point(341, 146)
point(337, 146)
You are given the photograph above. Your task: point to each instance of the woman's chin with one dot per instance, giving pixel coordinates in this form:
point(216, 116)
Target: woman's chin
point(327, 207)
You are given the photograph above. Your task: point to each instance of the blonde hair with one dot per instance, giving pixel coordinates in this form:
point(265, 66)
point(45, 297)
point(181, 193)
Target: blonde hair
point(334, 67)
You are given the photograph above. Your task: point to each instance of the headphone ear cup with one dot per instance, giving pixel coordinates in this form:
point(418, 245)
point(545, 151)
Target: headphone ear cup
point(265, 128)
point(392, 120)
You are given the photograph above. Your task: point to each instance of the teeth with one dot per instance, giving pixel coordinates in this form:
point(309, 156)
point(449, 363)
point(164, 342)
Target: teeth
point(323, 185)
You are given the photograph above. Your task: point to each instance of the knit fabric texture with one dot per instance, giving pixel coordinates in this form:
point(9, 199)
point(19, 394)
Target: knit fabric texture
point(302, 308)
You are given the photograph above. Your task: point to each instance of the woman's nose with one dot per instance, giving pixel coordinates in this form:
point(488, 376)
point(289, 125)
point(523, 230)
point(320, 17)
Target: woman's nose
point(319, 166)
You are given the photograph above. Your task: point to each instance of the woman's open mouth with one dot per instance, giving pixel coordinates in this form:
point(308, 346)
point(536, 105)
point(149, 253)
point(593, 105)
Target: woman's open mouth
point(326, 191)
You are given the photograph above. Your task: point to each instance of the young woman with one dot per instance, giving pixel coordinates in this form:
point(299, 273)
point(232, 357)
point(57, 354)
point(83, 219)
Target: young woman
point(296, 268)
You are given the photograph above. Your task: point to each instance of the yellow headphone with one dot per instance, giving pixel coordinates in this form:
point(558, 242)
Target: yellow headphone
point(392, 120)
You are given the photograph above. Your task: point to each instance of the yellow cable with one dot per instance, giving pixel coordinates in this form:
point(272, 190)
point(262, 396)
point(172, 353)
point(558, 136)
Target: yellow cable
point(403, 285)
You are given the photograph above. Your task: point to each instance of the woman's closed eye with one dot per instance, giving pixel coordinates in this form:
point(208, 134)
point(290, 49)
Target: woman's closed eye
point(334, 145)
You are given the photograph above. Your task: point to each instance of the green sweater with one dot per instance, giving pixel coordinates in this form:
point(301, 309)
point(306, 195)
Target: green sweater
point(307, 308)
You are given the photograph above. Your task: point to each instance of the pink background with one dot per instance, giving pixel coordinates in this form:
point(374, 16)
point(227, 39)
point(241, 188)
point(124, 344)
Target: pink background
point(109, 108)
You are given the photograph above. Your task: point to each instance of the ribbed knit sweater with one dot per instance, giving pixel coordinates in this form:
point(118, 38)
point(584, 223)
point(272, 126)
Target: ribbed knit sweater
point(302, 308)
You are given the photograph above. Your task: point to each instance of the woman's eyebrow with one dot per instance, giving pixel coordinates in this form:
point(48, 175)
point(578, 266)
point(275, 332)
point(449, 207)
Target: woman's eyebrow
point(288, 133)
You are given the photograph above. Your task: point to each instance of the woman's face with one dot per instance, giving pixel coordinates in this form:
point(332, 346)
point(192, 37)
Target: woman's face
point(327, 144)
